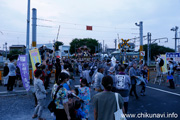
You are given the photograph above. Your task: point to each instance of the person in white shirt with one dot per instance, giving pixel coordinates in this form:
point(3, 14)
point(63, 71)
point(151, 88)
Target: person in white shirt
point(98, 79)
point(80, 69)
point(85, 74)
point(12, 74)
point(158, 68)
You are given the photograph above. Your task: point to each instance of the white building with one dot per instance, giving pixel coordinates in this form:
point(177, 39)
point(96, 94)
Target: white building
point(64, 50)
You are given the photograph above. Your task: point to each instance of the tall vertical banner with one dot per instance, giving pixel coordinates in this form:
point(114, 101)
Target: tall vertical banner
point(164, 67)
point(24, 70)
point(35, 57)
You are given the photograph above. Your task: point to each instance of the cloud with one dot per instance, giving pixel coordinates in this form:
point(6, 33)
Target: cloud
point(158, 17)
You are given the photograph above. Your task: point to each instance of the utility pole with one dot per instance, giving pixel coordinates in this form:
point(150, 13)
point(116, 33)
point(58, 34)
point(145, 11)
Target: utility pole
point(148, 36)
point(58, 33)
point(27, 34)
point(34, 24)
point(103, 48)
point(150, 48)
point(115, 41)
point(6, 49)
point(141, 36)
point(175, 29)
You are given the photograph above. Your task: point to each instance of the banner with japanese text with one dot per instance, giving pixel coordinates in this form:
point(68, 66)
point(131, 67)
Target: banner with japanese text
point(35, 57)
point(24, 70)
point(175, 56)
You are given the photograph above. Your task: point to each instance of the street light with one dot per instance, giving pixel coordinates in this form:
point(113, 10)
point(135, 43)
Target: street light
point(175, 29)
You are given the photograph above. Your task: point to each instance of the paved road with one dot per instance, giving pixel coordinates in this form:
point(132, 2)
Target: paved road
point(21, 107)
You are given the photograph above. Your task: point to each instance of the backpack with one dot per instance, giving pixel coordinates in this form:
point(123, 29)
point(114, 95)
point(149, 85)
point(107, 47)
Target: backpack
point(161, 63)
point(120, 81)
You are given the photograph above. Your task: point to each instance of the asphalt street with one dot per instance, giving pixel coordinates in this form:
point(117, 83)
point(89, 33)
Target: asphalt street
point(158, 100)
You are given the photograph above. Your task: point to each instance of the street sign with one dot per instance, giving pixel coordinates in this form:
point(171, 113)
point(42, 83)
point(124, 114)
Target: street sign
point(125, 43)
point(142, 53)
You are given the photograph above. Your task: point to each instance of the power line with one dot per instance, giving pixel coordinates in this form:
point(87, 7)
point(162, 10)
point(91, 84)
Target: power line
point(53, 21)
point(81, 29)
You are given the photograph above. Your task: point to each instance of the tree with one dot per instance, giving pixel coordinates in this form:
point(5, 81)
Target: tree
point(156, 49)
point(89, 42)
point(57, 44)
point(15, 53)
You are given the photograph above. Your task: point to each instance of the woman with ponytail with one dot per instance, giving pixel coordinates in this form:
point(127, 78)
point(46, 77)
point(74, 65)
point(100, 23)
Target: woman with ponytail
point(105, 102)
point(61, 101)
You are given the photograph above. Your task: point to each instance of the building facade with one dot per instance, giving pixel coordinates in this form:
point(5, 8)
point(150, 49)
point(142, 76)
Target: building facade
point(21, 48)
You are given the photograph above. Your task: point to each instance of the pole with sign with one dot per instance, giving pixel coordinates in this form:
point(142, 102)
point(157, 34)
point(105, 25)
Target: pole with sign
point(124, 45)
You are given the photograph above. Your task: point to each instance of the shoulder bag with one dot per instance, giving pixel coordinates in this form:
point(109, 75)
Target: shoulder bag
point(52, 105)
point(119, 113)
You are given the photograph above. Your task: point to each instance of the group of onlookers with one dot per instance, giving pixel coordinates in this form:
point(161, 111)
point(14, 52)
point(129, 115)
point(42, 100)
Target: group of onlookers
point(173, 76)
point(102, 78)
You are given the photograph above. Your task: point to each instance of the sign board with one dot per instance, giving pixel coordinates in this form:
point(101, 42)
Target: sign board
point(35, 57)
point(24, 70)
point(164, 67)
point(142, 53)
point(175, 56)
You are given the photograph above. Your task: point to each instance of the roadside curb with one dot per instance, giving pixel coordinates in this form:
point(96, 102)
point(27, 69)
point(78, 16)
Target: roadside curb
point(19, 92)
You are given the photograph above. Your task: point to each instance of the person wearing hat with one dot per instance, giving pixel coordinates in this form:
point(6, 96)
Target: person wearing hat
point(98, 79)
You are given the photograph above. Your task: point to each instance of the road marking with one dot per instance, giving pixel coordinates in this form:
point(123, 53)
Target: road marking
point(163, 91)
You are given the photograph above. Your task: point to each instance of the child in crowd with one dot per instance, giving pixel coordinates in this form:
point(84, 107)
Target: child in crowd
point(84, 94)
point(40, 95)
point(78, 111)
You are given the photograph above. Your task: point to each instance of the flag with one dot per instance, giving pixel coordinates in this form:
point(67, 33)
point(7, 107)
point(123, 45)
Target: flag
point(88, 27)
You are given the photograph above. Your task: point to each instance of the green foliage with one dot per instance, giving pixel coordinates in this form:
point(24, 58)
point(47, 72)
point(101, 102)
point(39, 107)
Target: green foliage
point(89, 42)
point(156, 49)
point(57, 44)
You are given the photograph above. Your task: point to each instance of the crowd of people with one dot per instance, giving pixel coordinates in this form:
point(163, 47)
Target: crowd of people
point(102, 78)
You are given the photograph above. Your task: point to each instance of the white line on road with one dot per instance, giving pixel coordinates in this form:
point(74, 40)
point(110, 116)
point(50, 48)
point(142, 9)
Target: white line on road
point(163, 91)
